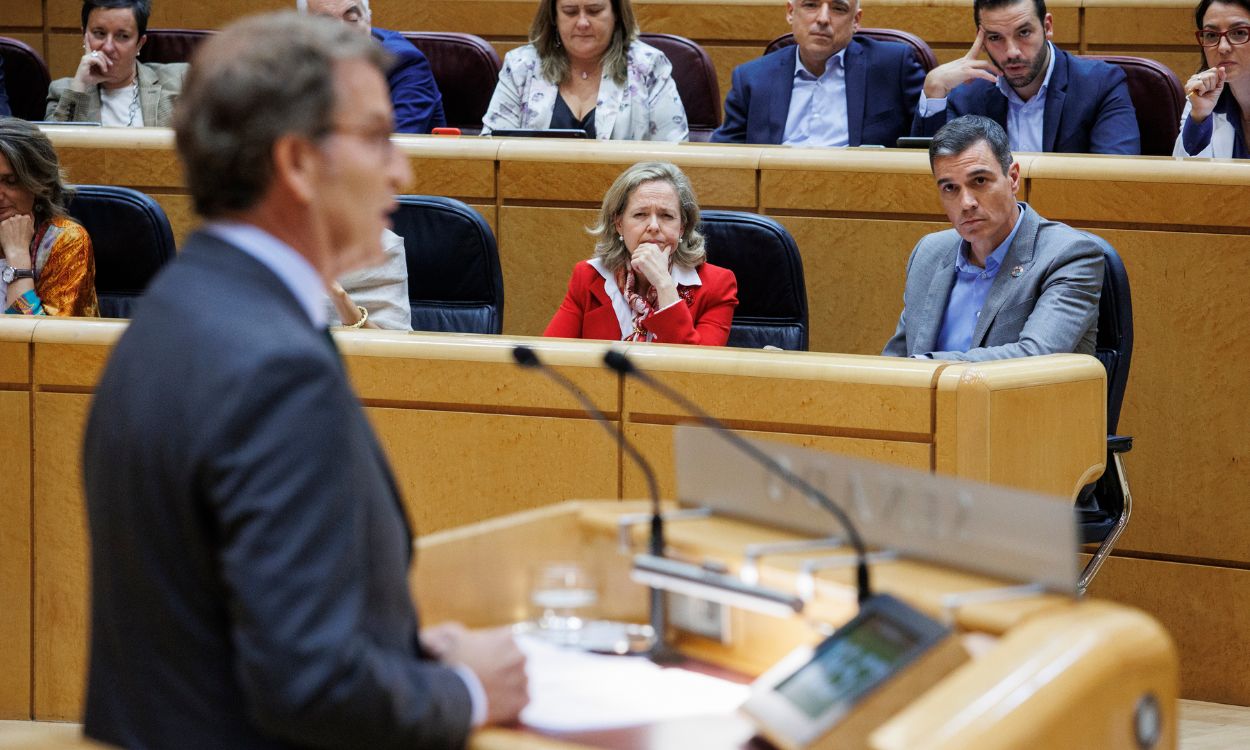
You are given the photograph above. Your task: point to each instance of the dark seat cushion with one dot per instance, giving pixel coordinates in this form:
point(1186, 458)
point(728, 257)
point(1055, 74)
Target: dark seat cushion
point(923, 53)
point(455, 282)
point(1157, 96)
point(695, 77)
point(26, 79)
point(172, 45)
point(132, 240)
point(772, 295)
point(466, 69)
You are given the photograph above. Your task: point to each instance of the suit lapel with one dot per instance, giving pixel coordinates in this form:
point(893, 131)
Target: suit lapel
point(930, 320)
point(996, 106)
point(1056, 92)
point(779, 95)
point(149, 95)
point(856, 75)
point(1005, 282)
point(601, 322)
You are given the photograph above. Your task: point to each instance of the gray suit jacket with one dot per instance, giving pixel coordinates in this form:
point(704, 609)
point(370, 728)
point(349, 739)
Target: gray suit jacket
point(159, 87)
point(249, 552)
point(1049, 305)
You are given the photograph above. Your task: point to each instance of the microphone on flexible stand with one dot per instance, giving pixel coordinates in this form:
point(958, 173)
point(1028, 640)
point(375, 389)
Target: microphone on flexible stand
point(527, 357)
point(625, 366)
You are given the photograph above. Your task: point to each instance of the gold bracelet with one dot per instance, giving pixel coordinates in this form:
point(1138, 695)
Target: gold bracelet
point(364, 315)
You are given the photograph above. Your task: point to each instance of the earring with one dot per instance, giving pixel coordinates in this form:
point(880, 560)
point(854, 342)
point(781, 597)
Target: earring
point(621, 237)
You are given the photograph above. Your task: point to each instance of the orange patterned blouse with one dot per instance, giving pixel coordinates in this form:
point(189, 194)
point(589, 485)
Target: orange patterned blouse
point(64, 270)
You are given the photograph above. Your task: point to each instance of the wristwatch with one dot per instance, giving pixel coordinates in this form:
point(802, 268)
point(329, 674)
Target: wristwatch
point(9, 274)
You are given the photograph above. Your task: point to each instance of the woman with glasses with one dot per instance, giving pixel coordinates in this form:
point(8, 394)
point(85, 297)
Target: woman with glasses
point(1217, 114)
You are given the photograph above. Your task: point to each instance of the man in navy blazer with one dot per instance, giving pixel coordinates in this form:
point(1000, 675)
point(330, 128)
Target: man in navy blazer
point(249, 548)
point(415, 97)
point(1046, 99)
point(828, 89)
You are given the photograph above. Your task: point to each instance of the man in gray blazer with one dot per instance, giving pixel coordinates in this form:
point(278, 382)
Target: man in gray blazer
point(1004, 282)
point(249, 549)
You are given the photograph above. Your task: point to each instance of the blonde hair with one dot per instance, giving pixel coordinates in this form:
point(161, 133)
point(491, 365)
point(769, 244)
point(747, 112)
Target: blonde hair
point(545, 37)
point(610, 248)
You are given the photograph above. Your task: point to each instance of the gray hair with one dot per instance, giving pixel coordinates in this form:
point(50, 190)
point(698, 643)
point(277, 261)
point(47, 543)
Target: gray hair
point(545, 37)
point(302, 7)
point(260, 79)
point(962, 133)
point(610, 248)
point(35, 165)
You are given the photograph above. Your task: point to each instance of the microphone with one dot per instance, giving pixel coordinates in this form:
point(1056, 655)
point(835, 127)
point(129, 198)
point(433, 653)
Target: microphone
point(527, 357)
point(625, 366)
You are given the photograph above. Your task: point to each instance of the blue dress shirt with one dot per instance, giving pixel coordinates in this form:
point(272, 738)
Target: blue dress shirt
point(818, 105)
point(1024, 119)
point(972, 286)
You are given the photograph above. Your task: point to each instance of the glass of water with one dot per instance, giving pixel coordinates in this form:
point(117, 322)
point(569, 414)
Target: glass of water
point(563, 595)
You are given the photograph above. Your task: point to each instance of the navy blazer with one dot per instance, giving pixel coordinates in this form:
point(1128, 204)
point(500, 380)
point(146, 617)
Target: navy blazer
point(883, 81)
point(249, 552)
point(1088, 108)
point(415, 96)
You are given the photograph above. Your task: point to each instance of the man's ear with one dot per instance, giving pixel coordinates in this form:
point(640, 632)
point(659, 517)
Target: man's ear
point(296, 166)
point(1014, 174)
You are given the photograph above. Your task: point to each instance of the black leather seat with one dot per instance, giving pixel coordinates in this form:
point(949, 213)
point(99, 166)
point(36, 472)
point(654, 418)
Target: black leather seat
point(26, 79)
point(132, 240)
point(922, 51)
point(455, 282)
point(466, 69)
point(1157, 96)
point(772, 296)
point(172, 45)
point(695, 77)
point(1106, 505)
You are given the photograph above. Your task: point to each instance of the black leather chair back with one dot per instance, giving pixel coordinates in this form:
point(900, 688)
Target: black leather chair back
point(1114, 346)
point(172, 45)
point(695, 77)
point(772, 296)
point(26, 79)
point(922, 51)
point(466, 69)
point(455, 282)
point(132, 240)
point(1157, 96)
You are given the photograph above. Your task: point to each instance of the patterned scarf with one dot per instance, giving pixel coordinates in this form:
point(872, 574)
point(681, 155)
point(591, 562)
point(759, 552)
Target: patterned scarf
point(642, 306)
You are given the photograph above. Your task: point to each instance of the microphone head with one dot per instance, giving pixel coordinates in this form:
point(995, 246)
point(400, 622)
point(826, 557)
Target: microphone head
point(618, 361)
point(525, 356)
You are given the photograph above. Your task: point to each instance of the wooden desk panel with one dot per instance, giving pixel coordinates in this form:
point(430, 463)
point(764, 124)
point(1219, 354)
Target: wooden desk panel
point(538, 248)
point(1159, 23)
point(15, 555)
point(872, 181)
point(61, 565)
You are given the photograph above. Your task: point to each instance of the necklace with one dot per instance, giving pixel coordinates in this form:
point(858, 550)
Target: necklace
point(134, 101)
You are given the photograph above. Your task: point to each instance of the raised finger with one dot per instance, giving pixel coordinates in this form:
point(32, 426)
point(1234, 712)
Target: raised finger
point(977, 44)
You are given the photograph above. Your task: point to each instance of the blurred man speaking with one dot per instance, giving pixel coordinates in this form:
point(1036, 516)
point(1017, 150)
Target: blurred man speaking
point(249, 548)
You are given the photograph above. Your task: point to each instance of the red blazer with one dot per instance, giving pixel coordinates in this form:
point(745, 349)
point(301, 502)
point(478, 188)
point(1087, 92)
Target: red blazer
point(587, 312)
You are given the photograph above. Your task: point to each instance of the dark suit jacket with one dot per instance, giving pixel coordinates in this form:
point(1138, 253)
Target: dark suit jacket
point(587, 312)
point(1044, 299)
point(414, 94)
point(1088, 108)
point(248, 548)
point(883, 82)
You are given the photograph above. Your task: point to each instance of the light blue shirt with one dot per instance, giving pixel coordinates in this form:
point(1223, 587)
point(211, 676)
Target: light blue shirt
point(818, 105)
point(972, 286)
point(1024, 119)
point(293, 269)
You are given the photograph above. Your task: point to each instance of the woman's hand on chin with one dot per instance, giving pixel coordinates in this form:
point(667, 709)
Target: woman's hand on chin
point(16, 234)
point(650, 260)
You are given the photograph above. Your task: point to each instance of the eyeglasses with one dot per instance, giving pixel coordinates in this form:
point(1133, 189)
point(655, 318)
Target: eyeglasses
point(1211, 37)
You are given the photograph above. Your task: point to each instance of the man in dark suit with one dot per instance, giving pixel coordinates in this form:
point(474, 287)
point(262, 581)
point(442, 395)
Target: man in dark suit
point(415, 96)
point(1004, 282)
point(249, 550)
point(827, 89)
point(1046, 99)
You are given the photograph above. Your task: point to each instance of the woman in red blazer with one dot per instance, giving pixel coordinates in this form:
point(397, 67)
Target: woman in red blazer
point(649, 279)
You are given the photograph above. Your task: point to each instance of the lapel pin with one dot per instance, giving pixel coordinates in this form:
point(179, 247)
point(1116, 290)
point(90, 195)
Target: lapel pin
point(1015, 272)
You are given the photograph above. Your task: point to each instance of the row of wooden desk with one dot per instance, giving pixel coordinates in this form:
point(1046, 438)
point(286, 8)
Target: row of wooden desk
point(732, 31)
point(471, 436)
point(1181, 227)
